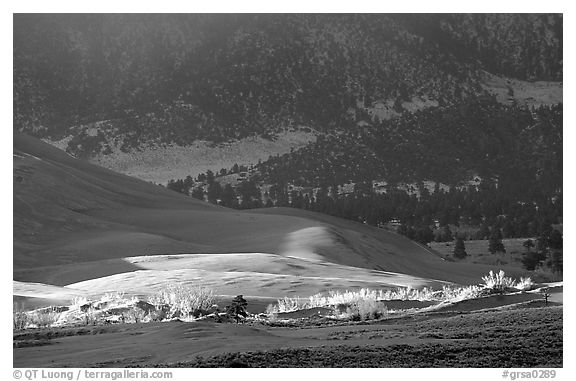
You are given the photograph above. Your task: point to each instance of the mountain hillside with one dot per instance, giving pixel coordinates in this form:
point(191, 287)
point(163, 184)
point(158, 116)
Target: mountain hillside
point(177, 78)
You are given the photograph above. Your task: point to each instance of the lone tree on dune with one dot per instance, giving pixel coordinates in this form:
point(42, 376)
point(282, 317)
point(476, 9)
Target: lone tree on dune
point(460, 249)
point(237, 309)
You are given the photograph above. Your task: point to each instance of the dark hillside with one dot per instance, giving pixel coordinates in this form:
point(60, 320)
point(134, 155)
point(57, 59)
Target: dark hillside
point(520, 146)
point(177, 78)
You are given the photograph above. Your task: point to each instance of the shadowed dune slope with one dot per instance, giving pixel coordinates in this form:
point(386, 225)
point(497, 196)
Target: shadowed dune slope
point(53, 193)
point(67, 211)
point(389, 251)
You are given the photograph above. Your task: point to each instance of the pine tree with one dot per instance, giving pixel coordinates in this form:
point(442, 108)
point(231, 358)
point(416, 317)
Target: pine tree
point(460, 249)
point(209, 176)
point(556, 262)
point(214, 191)
point(528, 244)
point(188, 183)
point(555, 240)
point(198, 193)
point(228, 196)
point(495, 244)
point(533, 259)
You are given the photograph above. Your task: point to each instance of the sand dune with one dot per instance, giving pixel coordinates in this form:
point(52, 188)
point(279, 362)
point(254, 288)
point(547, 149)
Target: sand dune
point(85, 227)
point(253, 274)
point(45, 291)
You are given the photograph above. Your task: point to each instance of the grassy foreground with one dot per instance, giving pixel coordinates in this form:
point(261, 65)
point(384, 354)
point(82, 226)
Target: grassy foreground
point(516, 338)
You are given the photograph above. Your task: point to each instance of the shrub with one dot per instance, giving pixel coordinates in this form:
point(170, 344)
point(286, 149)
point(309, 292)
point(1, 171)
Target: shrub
point(90, 316)
point(157, 315)
point(364, 310)
point(334, 298)
point(287, 304)
point(370, 309)
point(272, 311)
point(498, 282)
point(408, 293)
point(184, 300)
point(135, 315)
point(355, 301)
point(20, 318)
point(81, 303)
point(525, 284)
point(456, 294)
point(43, 319)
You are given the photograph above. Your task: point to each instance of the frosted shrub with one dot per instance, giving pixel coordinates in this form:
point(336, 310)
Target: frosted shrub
point(20, 318)
point(336, 298)
point(287, 304)
point(370, 309)
point(185, 300)
point(90, 316)
point(43, 319)
point(498, 282)
point(135, 315)
point(402, 293)
point(78, 302)
point(272, 311)
point(525, 284)
point(317, 300)
point(363, 300)
point(456, 294)
point(365, 310)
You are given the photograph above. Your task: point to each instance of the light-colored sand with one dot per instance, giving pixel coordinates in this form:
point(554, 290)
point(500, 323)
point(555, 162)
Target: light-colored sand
point(45, 291)
point(255, 275)
point(251, 274)
point(304, 243)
